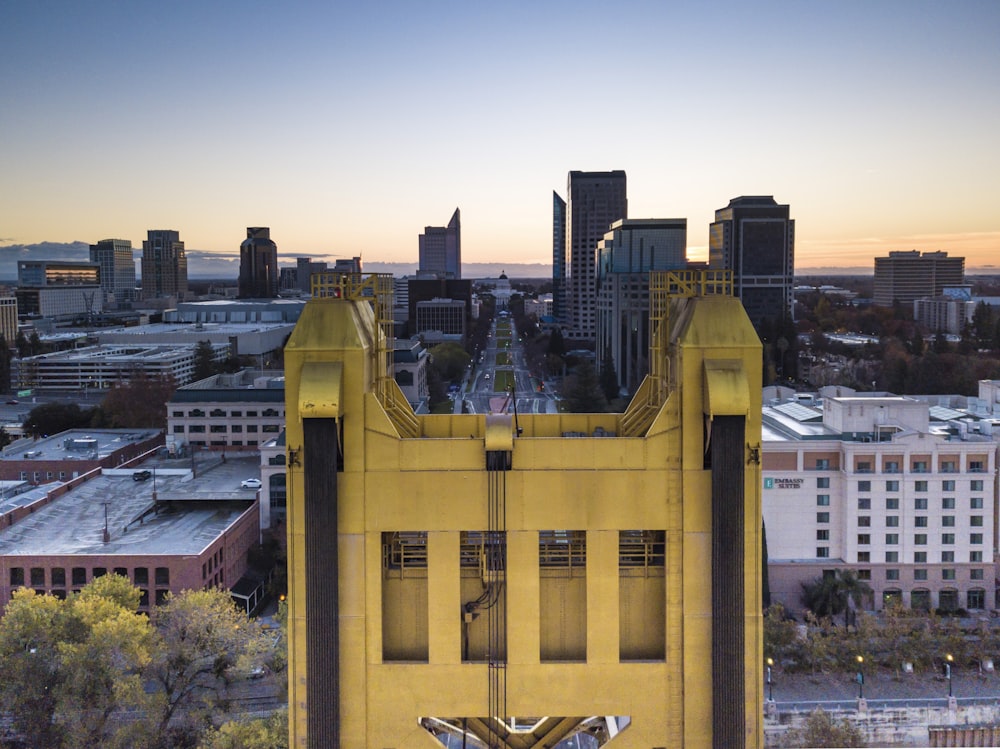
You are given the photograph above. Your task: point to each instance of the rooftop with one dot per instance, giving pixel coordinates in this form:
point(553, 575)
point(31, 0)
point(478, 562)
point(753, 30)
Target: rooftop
point(76, 444)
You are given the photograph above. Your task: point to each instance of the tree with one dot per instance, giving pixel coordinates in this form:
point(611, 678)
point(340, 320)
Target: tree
point(141, 402)
point(557, 344)
point(831, 595)
point(821, 730)
point(609, 378)
point(450, 360)
point(264, 733)
point(581, 391)
point(5, 359)
point(204, 361)
point(52, 418)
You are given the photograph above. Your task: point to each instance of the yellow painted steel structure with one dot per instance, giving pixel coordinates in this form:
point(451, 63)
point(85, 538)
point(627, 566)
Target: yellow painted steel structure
point(594, 619)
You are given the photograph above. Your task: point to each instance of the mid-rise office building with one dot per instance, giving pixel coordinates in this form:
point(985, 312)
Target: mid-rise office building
point(440, 250)
point(908, 276)
point(164, 265)
point(58, 290)
point(115, 256)
point(595, 200)
point(625, 257)
point(8, 319)
point(755, 238)
point(558, 255)
point(442, 320)
point(258, 265)
point(894, 488)
point(426, 289)
point(304, 268)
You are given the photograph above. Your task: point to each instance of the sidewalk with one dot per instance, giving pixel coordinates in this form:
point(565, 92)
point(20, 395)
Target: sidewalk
point(792, 688)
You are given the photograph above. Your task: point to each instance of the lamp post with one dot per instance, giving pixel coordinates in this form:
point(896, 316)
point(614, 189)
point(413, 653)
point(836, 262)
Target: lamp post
point(861, 677)
point(770, 683)
point(947, 672)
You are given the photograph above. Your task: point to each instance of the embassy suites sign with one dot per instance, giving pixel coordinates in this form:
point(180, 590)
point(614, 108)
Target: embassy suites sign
point(771, 483)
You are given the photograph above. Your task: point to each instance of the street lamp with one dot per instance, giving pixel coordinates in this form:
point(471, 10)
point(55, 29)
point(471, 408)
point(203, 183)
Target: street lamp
point(861, 677)
point(770, 683)
point(947, 671)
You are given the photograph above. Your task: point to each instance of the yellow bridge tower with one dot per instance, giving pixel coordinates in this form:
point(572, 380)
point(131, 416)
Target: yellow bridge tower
point(511, 582)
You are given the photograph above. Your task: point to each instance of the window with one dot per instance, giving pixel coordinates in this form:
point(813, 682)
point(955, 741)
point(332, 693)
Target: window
point(864, 466)
point(891, 539)
point(948, 466)
point(975, 538)
point(864, 503)
point(864, 521)
point(99, 572)
point(920, 521)
point(976, 521)
point(948, 521)
point(823, 482)
point(948, 486)
point(197, 428)
point(196, 412)
point(252, 428)
point(38, 576)
point(823, 500)
point(919, 486)
point(864, 486)
point(252, 413)
point(975, 574)
point(919, 574)
point(975, 556)
point(891, 557)
point(920, 539)
point(822, 552)
point(822, 517)
point(177, 414)
point(976, 503)
point(920, 466)
point(59, 576)
point(271, 428)
point(976, 485)
point(947, 557)
point(140, 576)
point(864, 557)
point(864, 574)
point(947, 538)
point(892, 503)
point(920, 503)
point(178, 429)
point(948, 573)
point(16, 576)
point(975, 466)
point(864, 539)
point(823, 535)
point(269, 412)
point(236, 413)
point(947, 503)
point(975, 598)
point(822, 464)
point(218, 429)
point(79, 576)
point(236, 428)
point(892, 486)
point(892, 574)
point(892, 466)
point(892, 521)
point(920, 557)
point(162, 576)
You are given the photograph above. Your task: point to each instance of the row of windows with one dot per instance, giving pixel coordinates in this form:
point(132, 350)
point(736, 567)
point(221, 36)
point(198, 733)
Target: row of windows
point(919, 539)
point(226, 428)
point(917, 466)
point(892, 521)
point(78, 575)
point(920, 557)
point(948, 485)
point(160, 595)
point(920, 598)
point(919, 503)
point(216, 413)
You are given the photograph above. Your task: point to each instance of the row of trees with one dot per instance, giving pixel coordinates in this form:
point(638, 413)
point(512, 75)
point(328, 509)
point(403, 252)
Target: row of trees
point(91, 671)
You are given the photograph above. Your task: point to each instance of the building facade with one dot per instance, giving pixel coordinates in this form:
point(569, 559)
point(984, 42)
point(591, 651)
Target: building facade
point(115, 256)
point(258, 265)
point(594, 201)
point(164, 265)
point(58, 290)
point(440, 249)
point(908, 276)
point(8, 319)
point(625, 257)
point(558, 255)
point(755, 238)
point(902, 492)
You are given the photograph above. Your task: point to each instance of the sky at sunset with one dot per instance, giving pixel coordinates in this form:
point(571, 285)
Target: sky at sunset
point(348, 127)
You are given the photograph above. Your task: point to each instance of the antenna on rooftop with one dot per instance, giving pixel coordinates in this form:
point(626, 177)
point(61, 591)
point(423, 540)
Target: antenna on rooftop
point(107, 536)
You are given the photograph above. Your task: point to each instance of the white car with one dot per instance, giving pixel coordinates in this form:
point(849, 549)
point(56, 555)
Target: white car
point(250, 483)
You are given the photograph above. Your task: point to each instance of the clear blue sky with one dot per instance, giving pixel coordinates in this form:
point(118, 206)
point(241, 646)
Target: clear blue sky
point(348, 127)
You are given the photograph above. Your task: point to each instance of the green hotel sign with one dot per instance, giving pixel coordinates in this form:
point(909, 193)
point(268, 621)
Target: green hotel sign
point(783, 483)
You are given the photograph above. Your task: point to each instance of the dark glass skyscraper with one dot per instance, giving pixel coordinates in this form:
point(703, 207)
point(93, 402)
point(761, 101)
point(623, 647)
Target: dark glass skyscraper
point(441, 250)
point(258, 265)
point(164, 265)
point(558, 256)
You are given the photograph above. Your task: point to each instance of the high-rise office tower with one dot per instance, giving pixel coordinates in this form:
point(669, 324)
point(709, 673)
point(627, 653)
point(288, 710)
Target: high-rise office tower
point(558, 255)
point(908, 276)
point(258, 265)
point(595, 200)
point(754, 238)
point(441, 250)
point(117, 269)
point(629, 251)
point(164, 265)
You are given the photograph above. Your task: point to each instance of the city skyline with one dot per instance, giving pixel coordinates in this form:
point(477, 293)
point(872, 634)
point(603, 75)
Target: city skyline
point(874, 123)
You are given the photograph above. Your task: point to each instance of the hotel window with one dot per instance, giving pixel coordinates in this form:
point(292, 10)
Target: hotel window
point(892, 486)
point(975, 556)
point(823, 482)
point(976, 521)
point(891, 466)
point(975, 466)
point(864, 503)
point(948, 538)
point(218, 429)
point(948, 521)
point(919, 486)
point(892, 521)
point(864, 521)
point(975, 574)
point(891, 539)
point(864, 539)
point(948, 466)
point(892, 574)
point(976, 503)
point(948, 574)
point(823, 535)
point(920, 503)
point(920, 521)
point(947, 503)
point(976, 485)
point(920, 557)
point(920, 466)
point(823, 500)
point(864, 557)
point(864, 574)
point(178, 414)
point(822, 464)
point(947, 557)
point(892, 503)
point(236, 413)
point(178, 429)
point(919, 574)
point(948, 486)
point(864, 486)
point(891, 557)
point(920, 539)
point(864, 466)
point(975, 538)
point(822, 552)
point(822, 517)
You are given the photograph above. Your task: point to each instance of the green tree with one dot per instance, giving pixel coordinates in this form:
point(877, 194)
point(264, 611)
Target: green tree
point(581, 391)
point(141, 402)
point(557, 344)
point(204, 361)
point(52, 418)
point(834, 594)
point(821, 730)
point(450, 360)
point(263, 733)
point(983, 325)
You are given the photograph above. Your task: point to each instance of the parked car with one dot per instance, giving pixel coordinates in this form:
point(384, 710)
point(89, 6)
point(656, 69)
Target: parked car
point(141, 475)
point(250, 483)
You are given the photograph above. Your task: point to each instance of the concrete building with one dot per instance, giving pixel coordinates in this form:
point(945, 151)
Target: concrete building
point(73, 453)
point(540, 307)
point(238, 311)
point(625, 256)
point(258, 265)
point(241, 410)
point(58, 290)
point(409, 370)
point(899, 490)
point(8, 319)
point(427, 289)
point(755, 238)
point(164, 266)
point(948, 313)
point(104, 365)
point(907, 276)
point(442, 320)
point(273, 489)
point(594, 201)
point(174, 531)
point(448, 572)
point(440, 250)
point(117, 263)
point(304, 268)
